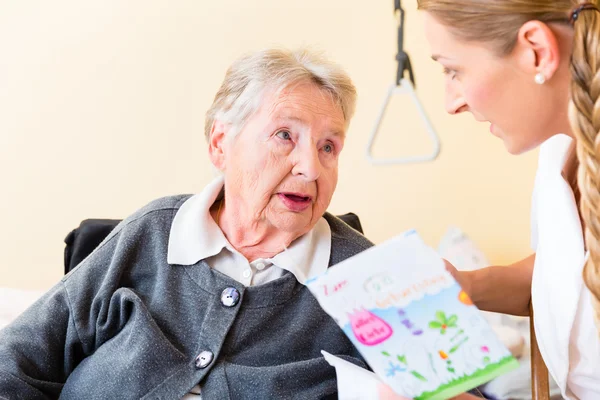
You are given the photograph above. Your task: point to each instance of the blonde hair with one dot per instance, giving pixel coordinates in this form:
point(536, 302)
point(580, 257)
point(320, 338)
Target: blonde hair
point(241, 92)
point(497, 22)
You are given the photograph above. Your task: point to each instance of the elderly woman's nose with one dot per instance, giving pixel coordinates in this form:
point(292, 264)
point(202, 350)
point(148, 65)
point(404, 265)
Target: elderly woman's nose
point(308, 164)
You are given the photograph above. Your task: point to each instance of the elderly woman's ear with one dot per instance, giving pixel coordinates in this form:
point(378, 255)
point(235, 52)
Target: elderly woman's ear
point(216, 144)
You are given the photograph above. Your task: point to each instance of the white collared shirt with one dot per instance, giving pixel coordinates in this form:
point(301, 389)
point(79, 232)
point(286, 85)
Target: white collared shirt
point(563, 312)
point(196, 236)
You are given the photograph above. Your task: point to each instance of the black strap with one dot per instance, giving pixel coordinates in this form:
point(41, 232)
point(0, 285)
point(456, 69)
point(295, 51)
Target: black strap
point(402, 58)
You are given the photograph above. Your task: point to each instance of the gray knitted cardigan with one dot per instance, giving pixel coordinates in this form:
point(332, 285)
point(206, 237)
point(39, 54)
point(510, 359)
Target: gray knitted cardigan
point(124, 324)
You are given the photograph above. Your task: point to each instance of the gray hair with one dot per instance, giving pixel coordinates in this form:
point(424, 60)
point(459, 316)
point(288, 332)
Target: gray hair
point(240, 94)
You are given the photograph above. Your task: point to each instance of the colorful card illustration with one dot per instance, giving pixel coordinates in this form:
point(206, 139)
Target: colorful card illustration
point(411, 321)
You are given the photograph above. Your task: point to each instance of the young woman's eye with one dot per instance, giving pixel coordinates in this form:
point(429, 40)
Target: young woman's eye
point(328, 148)
point(449, 72)
point(285, 135)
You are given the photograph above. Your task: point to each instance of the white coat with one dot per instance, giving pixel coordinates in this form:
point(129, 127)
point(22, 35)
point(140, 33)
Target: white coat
point(563, 312)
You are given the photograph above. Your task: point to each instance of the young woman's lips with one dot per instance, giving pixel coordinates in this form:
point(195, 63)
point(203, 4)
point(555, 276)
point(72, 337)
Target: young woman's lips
point(295, 201)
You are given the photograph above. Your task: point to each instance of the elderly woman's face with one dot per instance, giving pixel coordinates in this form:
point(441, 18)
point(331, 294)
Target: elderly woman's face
point(282, 168)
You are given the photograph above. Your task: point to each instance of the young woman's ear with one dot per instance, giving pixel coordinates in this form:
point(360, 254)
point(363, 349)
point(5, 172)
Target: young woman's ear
point(537, 50)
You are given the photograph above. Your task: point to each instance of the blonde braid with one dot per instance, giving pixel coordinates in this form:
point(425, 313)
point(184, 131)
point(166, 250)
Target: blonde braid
point(584, 115)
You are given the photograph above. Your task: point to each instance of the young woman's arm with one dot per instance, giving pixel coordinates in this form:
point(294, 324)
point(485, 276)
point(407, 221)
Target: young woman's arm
point(499, 289)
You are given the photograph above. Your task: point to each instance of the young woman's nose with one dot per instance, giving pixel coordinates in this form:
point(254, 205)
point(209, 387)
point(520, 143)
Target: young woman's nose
point(455, 101)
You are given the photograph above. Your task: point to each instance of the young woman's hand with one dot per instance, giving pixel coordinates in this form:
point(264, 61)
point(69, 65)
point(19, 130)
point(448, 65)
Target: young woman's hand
point(462, 277)
point(499, 289)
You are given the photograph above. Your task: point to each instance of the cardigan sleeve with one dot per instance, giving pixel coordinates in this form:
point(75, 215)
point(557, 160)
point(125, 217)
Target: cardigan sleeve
point(39, 349)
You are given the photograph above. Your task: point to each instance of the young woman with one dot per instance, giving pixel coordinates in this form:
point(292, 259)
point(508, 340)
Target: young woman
point(531, 69)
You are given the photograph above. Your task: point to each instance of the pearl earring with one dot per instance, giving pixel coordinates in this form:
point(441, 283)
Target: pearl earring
point(540, 79)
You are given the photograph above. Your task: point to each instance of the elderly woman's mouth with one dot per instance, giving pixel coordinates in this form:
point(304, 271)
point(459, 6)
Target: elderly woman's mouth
point(295, 201)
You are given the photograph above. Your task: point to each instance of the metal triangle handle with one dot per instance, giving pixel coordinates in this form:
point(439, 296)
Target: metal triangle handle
point(407, 88)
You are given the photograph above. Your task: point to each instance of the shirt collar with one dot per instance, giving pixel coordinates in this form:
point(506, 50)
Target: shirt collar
point(195, 236)
point(307, 256)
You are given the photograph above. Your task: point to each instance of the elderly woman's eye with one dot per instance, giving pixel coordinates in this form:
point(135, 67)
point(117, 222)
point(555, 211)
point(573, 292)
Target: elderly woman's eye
point(285, 135)
point(328, 148)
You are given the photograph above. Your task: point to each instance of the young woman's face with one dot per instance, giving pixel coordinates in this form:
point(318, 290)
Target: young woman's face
point(499, 90)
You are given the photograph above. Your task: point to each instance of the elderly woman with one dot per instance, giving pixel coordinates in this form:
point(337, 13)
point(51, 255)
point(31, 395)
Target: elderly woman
point(203, 295)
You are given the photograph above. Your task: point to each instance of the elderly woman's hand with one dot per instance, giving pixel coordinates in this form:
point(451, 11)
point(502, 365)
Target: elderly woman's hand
point(386, 393)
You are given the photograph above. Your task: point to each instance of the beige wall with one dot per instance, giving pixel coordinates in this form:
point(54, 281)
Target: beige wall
point(102, 106)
